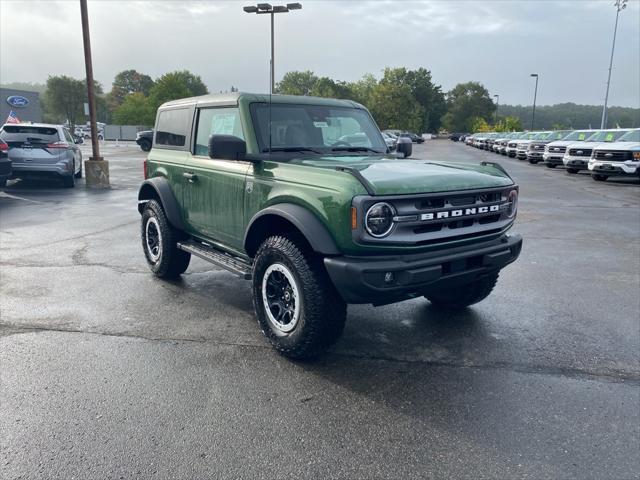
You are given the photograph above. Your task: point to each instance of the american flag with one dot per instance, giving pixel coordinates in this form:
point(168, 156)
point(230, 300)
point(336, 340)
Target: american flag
point(12, 118)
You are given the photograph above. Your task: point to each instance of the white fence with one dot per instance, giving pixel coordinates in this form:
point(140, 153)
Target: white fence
point(123, 132)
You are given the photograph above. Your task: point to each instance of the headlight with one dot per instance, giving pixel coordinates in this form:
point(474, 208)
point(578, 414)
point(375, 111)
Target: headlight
point(512, 206)
point(636, 155)
point(379, 219)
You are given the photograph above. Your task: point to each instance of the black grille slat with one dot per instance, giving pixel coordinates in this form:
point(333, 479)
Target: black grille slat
point(613, 155)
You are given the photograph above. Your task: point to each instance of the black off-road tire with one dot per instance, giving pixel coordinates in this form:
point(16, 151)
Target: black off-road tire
point(572, 171)
point(169, 262)
point(599, 178)
point(465, 295)
point(145, 145)
point(322, 311)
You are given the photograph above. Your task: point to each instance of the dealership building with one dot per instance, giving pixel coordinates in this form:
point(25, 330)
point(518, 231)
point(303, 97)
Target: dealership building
point(25, 105)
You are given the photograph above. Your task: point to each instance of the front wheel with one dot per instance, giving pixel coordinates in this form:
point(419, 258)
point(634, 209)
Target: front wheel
point(465, 295)
point(145, 145)
point(159, 241)
point(533, 162)
point(599, 178)
point(297, 306)
point(572, 171)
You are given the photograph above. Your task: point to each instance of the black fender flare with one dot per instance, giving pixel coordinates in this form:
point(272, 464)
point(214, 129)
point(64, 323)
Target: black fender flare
point(303, 219)
point(158, 187)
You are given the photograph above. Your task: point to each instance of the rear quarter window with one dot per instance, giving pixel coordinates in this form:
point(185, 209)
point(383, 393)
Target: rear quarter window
point(172, 127)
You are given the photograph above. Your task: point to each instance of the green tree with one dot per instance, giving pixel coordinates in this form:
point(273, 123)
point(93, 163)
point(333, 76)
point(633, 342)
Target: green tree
point(508, 124)
point(393, 106)
point(64, 99)
point(174, 85)
point(328, 88)
point(297, 83)
point(134, 110)
point(362, 89)
point(464, 102)
point(126, 82)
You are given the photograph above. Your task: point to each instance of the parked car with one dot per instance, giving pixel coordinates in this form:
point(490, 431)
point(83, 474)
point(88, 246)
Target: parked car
point(145, 139)
point(414, 138)
point(535, 151)
point(390, 140)
point(554, 151)
point(5, 163)
point(314, 222)
point(620, 158)
point(500, 144)
point(42, 150)
point(577, 154)
point(86, 132)
point(523, 143)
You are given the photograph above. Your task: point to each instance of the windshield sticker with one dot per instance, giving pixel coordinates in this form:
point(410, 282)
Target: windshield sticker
point(582, 136)
point(609, 137)
point(320, 124)
point(224, 124)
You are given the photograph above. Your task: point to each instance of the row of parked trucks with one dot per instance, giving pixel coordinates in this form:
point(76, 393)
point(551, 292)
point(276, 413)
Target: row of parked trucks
point(604, 153)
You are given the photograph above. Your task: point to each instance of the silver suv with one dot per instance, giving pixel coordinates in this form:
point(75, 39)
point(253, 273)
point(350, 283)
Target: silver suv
point(42, 150)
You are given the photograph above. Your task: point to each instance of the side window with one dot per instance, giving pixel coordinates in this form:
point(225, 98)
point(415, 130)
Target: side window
point(172, 127)
point(216, 121)
point(68, 137)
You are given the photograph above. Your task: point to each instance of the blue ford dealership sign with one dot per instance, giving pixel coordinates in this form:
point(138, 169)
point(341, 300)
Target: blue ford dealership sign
point(18, 101)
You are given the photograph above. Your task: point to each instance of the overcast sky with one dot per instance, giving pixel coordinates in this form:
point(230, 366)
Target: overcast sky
point(498, 43)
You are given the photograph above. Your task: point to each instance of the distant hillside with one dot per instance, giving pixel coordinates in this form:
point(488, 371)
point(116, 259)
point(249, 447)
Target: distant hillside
point(28, 86)
point(571, 115)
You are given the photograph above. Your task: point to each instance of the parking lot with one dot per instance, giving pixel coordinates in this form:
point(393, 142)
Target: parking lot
point(108, 372)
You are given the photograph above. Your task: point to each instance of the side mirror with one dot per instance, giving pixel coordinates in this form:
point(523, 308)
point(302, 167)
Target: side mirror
point(404, 146)
point(227, 147)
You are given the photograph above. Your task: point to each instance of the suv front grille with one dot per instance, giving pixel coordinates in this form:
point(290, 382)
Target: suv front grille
point(613, 155)
point(432, 218)
point(580, 152)
point(556, 149)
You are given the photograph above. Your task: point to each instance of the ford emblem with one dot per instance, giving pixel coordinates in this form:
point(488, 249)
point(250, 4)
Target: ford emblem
point(18, 101)
point(579, 152)
point(608, 155)
point(556, 149)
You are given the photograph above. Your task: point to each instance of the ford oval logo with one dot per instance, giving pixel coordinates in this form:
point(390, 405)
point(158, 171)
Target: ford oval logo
point(18, 101)
point(579, 152)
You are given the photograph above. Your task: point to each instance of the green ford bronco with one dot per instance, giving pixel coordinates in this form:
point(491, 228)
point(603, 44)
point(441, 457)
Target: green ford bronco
point(300, 196)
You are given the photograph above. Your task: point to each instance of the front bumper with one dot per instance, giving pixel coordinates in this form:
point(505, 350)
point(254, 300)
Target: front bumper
point(533, 155)
point(615, 168)
point(552, 159)
point(521, 154)
point(577, 163)
point(388, 279)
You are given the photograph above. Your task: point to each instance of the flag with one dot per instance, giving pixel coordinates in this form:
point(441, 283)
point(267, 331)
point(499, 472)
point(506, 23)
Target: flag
point(12, 118)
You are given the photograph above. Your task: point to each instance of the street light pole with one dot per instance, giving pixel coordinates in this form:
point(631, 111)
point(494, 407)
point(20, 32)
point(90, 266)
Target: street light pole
point(266, 8)
point(620, 5)
point(96, 168)
point(535, 95)
point(497, 97)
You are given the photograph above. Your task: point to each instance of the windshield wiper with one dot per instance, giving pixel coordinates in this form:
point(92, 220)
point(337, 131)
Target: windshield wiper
point(355, 149)
point(290, 149)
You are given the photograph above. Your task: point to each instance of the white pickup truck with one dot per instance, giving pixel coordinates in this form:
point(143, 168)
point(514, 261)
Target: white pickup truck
point(620, 158)
point(576, 156)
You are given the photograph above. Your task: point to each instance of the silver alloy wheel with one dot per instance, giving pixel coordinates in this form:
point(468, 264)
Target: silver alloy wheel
point(153, 239)
point(281, 298)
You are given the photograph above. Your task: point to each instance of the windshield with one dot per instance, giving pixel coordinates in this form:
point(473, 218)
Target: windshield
point(559, 135)
point(632, 136)
point(541, 135)
point(22, 133)
point(606, 136)
point(315, 129)
point(579, 135)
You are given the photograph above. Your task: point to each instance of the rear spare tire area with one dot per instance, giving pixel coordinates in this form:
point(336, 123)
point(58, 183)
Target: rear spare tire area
point(297, 306)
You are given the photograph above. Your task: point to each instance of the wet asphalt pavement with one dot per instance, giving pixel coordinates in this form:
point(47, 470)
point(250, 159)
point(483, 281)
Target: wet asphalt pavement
point(107, 372)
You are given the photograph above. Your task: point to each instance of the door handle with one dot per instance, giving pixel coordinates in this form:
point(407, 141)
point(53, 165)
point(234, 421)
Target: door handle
point(191, 177)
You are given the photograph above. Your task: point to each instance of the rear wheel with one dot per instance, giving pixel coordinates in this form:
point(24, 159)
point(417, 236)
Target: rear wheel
point(159, 241)
point(572, 170)
point(297, 306)
point(465, 295)
point(69, 181)
point(79, 174)
point(145, 145)
point(599, 178)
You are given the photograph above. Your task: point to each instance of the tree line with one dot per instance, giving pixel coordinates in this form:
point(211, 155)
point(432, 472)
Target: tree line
point(400, 99)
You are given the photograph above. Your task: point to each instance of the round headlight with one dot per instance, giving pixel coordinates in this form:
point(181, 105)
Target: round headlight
point(379, 219)
point(512, 206)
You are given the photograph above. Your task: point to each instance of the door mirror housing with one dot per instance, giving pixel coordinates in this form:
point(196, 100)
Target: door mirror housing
point(227, 147)
point(404, 146)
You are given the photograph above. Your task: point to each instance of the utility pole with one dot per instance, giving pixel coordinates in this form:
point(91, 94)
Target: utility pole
point(535, 95)
point(497, 97)
point(96, 168)
point(620, 5)
point(266, 8)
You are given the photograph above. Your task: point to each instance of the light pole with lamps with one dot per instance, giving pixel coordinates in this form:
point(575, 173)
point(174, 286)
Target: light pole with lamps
point(535, 95)
point(620, 5)
point(497, 97)
point(267, 8)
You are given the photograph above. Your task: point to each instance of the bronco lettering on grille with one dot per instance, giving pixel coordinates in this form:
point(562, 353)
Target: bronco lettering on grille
point(459, 213)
